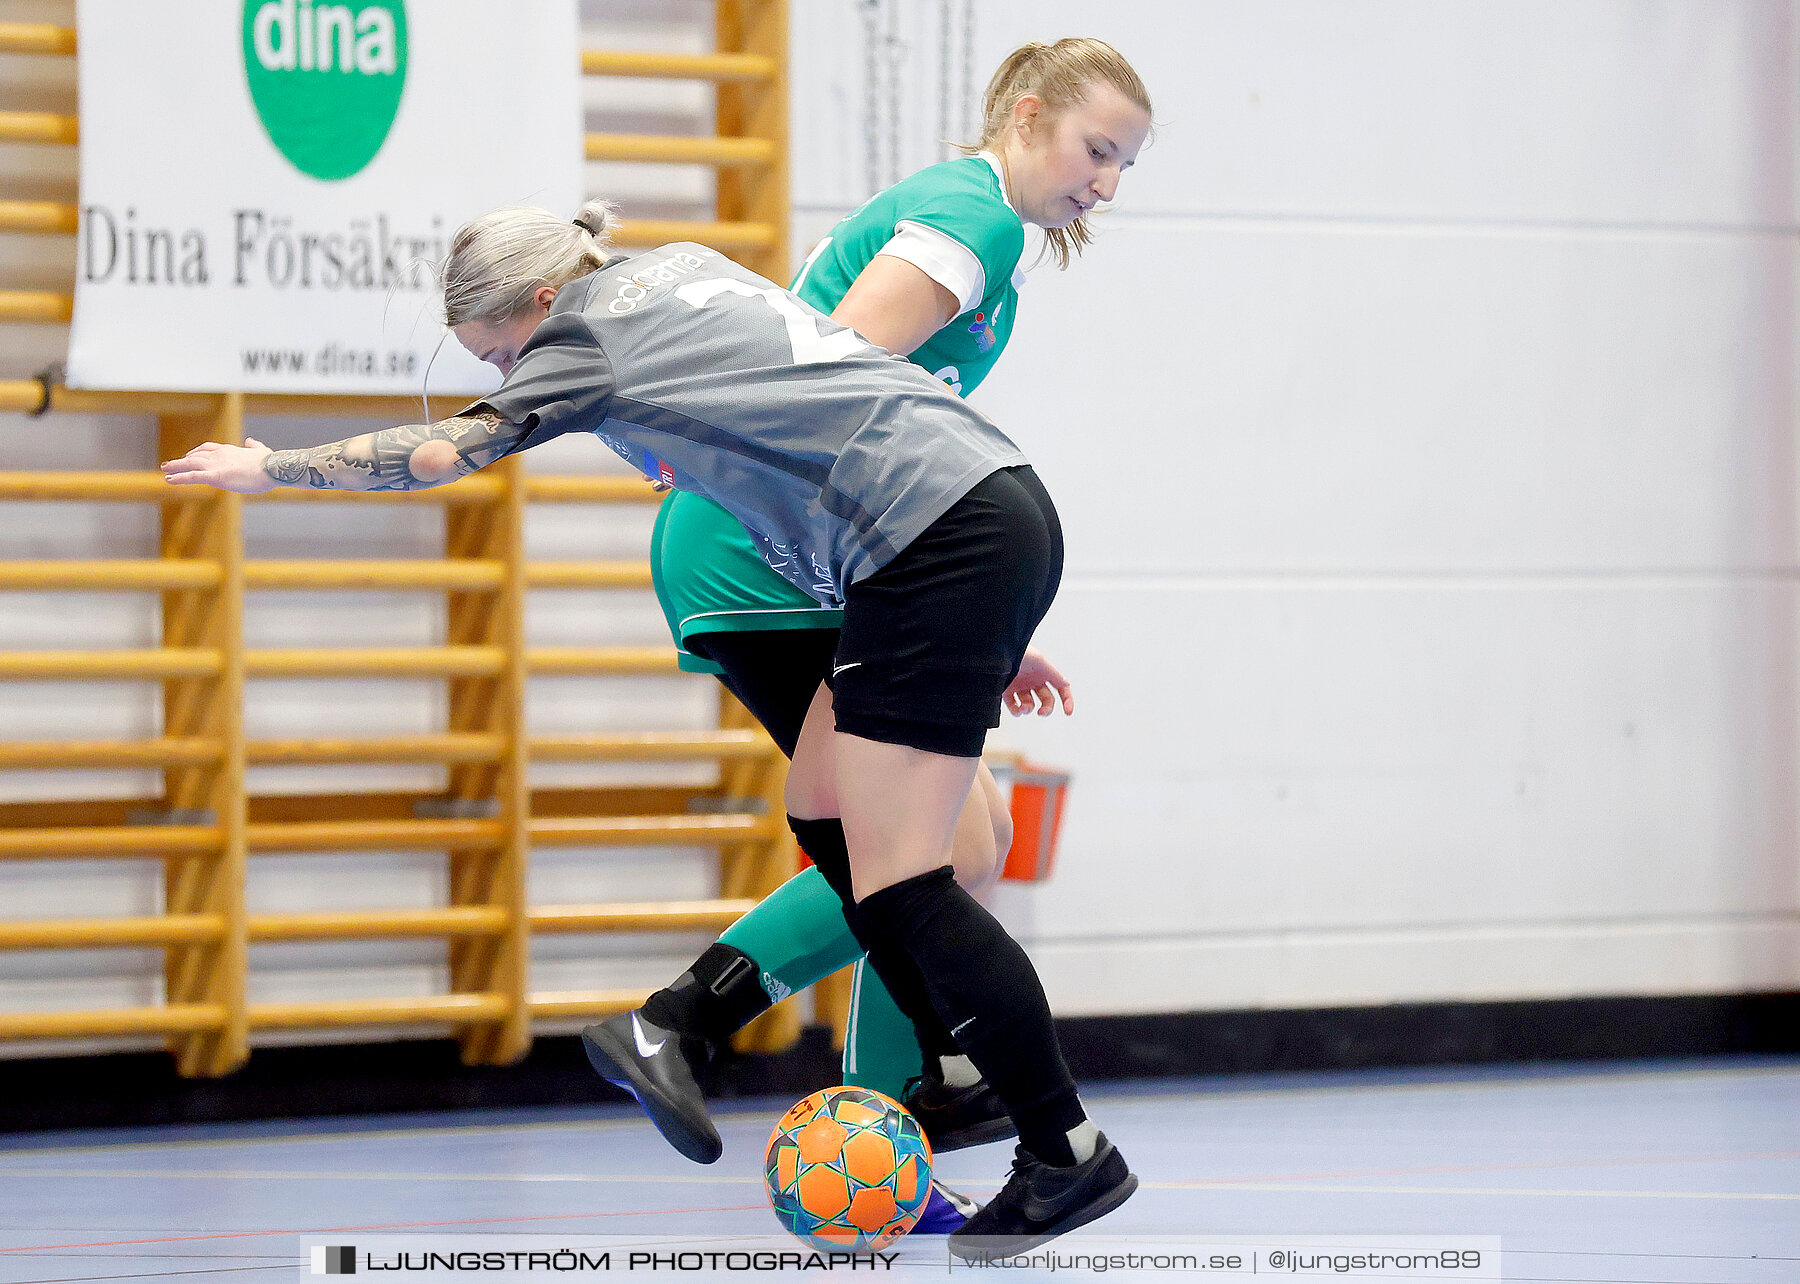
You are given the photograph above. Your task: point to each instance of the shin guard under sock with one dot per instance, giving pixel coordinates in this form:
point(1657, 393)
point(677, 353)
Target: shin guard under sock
point(985, 989)
point(824, 842)
point(713, 999)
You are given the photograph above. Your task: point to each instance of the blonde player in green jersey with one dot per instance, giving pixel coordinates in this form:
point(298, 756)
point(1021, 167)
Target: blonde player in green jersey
point(928, 269)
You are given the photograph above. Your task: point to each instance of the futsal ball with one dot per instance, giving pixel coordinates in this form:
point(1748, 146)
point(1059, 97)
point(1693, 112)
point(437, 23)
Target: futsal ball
point(849, 1170)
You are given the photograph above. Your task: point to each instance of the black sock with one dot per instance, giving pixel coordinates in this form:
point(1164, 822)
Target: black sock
point(824, 844)
point(985, 989)
point(823, 841)
point(713, 999)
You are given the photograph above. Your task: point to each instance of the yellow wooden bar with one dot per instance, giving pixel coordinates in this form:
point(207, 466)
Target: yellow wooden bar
point(38, 127)
point(547, 489)
point(365, 924)
point(677, 150)
point(346, 574)
point(550, 1005)
point(575, 831)
point(149, 487)
point(36, 306)
point(446, 747)
point(611, 661)
point(497, 878)
point(760, 111)
point(19, 755)
point(569, 575)
point(308, 405)
point(372, 835)
point(216, 973)
point(671, 66)
point(50, 218)
point(424, 1010)
point(652, 916)
point(354, 662)
point(108, 841)
point(126, 573)
point(97, 485)
point(36, 38)
point(470, 490)
point(653, 746)
point(174, 1018)
point(24, 394)
point(109, 933)
point(157, 663)
point(718, 235)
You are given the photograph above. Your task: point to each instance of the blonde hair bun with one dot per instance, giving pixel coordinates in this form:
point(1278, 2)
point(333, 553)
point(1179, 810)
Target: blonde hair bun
point(498, 261)
point(598, 219)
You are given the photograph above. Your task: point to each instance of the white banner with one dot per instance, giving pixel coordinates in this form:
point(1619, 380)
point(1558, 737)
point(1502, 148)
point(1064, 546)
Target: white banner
point(263, 181)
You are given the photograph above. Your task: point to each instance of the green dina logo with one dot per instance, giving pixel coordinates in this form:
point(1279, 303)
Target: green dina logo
point(326, 78)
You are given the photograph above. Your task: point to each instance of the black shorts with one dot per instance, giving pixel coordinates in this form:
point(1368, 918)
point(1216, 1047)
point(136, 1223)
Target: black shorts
point(775, 673)
point(931, 640)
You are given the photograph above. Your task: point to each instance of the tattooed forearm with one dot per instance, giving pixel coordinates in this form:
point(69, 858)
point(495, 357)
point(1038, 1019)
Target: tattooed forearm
point(411, 457)
point(288, 467)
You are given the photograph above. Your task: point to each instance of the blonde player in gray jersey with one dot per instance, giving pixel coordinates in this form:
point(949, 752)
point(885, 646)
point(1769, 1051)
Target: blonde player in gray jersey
point(875, 488)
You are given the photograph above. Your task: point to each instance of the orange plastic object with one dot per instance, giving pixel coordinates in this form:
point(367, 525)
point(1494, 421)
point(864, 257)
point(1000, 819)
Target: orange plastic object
point(1038, 794)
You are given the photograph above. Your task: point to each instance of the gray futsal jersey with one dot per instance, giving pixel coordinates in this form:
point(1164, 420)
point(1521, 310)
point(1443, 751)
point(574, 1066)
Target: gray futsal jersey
point(833, 453)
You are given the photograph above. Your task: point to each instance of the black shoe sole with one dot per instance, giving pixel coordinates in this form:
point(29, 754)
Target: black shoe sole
point(614, 1062)
point(975, 1134)
point(1010, 1245)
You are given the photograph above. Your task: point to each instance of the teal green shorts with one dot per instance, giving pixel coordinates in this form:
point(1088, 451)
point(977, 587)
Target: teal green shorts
point(710, 579)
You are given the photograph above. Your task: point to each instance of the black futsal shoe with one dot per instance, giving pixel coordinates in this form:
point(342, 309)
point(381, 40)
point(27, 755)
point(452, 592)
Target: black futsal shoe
point(1039, 1202)
point(956, 1118)
point(660, 1069)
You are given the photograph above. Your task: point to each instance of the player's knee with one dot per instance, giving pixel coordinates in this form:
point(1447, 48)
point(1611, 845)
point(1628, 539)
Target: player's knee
point(974, 872)
point(1001, 820)
point(974, 857)
point(985, 836)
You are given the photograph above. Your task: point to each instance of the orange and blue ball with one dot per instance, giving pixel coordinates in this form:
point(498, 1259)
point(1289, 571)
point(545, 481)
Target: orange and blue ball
point(848, 1169)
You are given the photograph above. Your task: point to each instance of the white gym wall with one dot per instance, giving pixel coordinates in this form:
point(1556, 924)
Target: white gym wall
point(1423, 426)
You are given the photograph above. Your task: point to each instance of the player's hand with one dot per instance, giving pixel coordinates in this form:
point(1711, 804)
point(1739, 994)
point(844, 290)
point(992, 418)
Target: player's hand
point(234, 468)
point(1038, 686)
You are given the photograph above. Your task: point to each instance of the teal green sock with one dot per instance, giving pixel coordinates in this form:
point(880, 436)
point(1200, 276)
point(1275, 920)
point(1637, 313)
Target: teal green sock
point(880, 1049)
point(796, 935)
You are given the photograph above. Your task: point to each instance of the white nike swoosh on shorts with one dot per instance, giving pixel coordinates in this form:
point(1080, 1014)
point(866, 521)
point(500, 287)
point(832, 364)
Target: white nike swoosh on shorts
point(644, 1046)
point(841, 667)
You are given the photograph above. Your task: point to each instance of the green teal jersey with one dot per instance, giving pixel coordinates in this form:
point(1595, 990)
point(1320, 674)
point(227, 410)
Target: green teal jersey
point(708, 574)
point(963, 200)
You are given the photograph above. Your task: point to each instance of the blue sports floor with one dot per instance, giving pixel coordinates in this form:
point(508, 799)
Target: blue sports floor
point(1685, 1173)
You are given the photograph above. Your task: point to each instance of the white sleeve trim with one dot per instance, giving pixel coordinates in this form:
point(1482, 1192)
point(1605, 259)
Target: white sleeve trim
point(944, 259)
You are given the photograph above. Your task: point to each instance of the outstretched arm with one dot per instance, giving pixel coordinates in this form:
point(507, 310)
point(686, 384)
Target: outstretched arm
point(410, 457)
